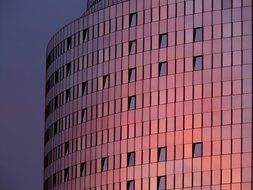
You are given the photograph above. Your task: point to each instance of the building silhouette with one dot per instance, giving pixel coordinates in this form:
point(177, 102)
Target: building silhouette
point(151, 94)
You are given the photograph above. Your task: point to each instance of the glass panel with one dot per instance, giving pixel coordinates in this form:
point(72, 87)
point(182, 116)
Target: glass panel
point(197, 149)
point(161, 154)
point(66, 174)
point(163, 40)
point(162, 68)
point(161, 183)
point(132, 75)
point(104, 164)
point(84, 88)
point(106, 81)
point(131, 159)
point(198, 34)
point(198, 62)
point(133, 20)
point(66, 148)
point(85, 35)
point(67, 95)
point(226, 4)
point(69, 41)
point(132, 47)
point(130, 185)
point(131, 102)
point(84, 115)
point(68, 69)
point(82, 171)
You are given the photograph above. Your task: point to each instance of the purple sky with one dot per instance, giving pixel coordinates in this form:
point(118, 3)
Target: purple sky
point(25, 29)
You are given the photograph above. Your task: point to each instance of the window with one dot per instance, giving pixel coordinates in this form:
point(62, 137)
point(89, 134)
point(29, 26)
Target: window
point(105, 164)
point(226, 4)
point(198, 63)
point(66, 148)
point(85, 35)
point(68, 69)
point(163, 38)
point(131, 102)
point(131, 75)
point(84, 88)
point(82, 169)
point(56, 77)
point(161, 183)
point(130, 159)
point(130, 185)
point(197, 150)
point(133, 20)
point(84, 115)
point(67, 95)
point(69, 41)
point(162, 69)
point(161, 154)
point(198, 34)
point(106, 81)
point(66, 174)
point(132, 47)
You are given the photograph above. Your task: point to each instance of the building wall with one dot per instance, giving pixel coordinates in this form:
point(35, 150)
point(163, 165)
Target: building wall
point(191, 97)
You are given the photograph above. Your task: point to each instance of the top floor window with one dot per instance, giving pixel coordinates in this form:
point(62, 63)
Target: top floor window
point(85, 35)
point(69, 42)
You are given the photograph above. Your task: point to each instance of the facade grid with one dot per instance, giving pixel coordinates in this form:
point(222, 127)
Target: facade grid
point(152, 95)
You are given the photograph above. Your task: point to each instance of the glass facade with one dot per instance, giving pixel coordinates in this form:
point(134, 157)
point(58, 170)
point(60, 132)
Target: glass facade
point(151, 94)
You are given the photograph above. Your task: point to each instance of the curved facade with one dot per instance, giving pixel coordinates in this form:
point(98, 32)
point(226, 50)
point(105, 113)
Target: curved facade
point(151, 94)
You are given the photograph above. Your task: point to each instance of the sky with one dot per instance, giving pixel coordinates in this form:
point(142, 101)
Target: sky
point(25, 29)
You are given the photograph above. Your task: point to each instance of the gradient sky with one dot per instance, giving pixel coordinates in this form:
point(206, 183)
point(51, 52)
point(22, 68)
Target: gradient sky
point(25, 29)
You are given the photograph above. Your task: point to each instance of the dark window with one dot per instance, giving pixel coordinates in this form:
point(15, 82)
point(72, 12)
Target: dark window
point(84, 115)
point(54, 180)
point(130, 185)
point(55, 128)
point(133, 20)
point(55, 102)
point(226, 4)
point(131, 102)
point(161, 154)
point(197, 149)
point(69, 41)
point(132, 75)
point(161, 183)
point(130, 159)
point(66, 174)
point(68, 69)
point(56, 77)
point(132, 47)
point(163, 38)
point(67, 95)
point(66, 148)
point(104, 164)
point(106, 81)
point(84, 88)
point(198, 34)
point(82, 169)
point(85, 35)
point(162, 69)
point(198, 63)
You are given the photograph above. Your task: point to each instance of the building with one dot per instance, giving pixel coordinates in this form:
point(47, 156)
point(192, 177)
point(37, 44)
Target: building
point(151, 94)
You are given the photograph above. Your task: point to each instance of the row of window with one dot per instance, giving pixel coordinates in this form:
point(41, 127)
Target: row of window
point(83, 36)
point(56, 179)
point(66, 70)
point(72, 146)
point(103, 83)
point(161, 152)
point(106, 28)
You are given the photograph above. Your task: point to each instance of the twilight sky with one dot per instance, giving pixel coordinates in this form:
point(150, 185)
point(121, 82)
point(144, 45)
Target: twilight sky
point(25, 29)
